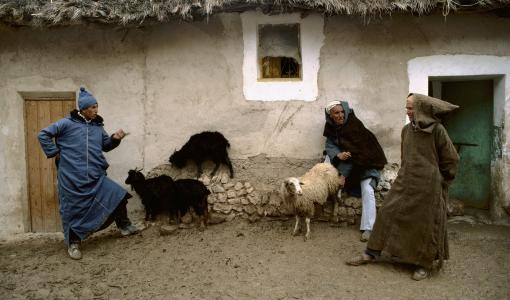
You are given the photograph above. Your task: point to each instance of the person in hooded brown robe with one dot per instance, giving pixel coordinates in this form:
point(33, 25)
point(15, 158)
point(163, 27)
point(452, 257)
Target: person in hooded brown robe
point(411, 225)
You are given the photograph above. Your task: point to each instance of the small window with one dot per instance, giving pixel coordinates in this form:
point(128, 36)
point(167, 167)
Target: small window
point(279, 51)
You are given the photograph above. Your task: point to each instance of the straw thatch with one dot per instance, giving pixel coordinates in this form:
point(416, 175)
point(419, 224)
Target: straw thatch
point(134, 13)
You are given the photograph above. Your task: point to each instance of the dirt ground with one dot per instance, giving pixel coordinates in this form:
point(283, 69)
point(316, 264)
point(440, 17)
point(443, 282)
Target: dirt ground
point(241, 260)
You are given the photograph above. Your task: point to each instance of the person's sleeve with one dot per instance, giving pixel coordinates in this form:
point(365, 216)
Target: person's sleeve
point(109, 143)
point(402, 145)
point(447, 155)
point(46, 137)
point(332, 150)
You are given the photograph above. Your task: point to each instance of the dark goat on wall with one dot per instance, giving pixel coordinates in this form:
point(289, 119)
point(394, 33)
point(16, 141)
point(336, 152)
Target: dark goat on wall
point(163, 194)
point(204, 146)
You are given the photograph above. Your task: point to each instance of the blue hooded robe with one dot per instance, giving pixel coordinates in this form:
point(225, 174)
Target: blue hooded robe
point(87, 197)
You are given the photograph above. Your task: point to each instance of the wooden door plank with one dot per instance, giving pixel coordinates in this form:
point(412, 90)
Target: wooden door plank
point(44, 212)
point(52, 213)
point(33, 157)
point(47, 212)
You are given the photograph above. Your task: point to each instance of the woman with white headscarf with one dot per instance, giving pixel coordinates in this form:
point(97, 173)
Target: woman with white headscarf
point(357, 155)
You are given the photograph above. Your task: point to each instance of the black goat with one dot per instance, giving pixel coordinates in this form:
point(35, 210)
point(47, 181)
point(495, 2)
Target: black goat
point(204, 146)
point(163, 194)
point(154, 192)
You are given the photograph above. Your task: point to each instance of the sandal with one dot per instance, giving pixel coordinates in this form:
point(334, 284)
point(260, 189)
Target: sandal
point(360, 260)
point(420, 274)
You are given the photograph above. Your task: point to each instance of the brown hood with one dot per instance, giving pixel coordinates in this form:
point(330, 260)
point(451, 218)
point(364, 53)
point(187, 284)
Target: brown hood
point(427, 110)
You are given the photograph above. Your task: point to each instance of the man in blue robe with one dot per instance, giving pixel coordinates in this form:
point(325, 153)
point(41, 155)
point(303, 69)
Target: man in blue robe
point(89, 200)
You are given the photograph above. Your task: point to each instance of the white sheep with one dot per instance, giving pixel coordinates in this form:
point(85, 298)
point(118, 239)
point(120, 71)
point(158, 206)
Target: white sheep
point(314, 187)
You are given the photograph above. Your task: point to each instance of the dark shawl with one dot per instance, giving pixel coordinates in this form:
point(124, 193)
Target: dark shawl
point(354, 137)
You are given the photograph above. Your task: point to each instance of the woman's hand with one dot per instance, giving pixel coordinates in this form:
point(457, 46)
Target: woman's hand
point(344, 155)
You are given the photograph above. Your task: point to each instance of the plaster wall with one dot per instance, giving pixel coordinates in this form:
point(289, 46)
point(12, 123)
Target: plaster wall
point(166, 82)
point(62, 60)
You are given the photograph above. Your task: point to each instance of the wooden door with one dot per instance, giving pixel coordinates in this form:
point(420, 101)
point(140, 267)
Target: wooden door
point(43, 204)
point(471, 130)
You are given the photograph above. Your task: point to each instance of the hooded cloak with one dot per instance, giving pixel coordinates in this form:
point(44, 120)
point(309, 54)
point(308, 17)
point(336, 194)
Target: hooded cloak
point(87, 197)
point(411, 224)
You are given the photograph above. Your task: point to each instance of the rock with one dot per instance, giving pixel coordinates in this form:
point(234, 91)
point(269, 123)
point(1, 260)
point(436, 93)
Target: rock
point(249, 209)
point(187, 226)
point(386, 186)
point(234, 201)
point(221, 197)
point(230, 217)
point(342, 211)
point(238, 186)
point(224, 178)
point(455, 207)
point(216, 218)
point(241, 192)
point(249, 190)
point(237, 208)
point(358, 211)
point(224, 208)
point(264, 199)
point(217, 189)
point(187, 218)
point(100, 289)
point(247, 185)
point(231, 194)
point(244, 201)
point(167, 229)
point(348, 201)
point(254, 199)
point(274, 198)
point(228, 186)
point(356, 203)
point(285, 210)
point(351, 212)
point(211, 199)
point(253, 218)
point(260, 211)
point(205, 179)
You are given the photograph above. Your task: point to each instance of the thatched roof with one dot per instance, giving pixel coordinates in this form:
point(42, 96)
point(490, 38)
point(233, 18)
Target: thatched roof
point(134, 13)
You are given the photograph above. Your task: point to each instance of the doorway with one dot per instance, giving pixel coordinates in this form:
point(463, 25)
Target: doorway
point(43, 206)
point(471, 131)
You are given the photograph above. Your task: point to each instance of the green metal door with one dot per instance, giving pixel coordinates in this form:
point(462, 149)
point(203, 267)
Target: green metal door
point(471, 130)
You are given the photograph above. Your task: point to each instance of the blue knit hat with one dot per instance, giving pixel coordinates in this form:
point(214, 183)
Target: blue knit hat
point(85, 99)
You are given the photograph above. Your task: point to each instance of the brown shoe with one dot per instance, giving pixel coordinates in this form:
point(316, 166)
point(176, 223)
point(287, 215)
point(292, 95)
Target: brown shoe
point(420, 274)
point(360, 260)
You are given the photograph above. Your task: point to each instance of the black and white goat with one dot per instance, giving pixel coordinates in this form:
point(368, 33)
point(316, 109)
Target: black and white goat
point(204, 146)
point(163, 194)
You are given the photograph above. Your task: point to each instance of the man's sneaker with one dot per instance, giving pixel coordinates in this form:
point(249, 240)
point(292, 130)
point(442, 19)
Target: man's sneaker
point(420, 274)
point(365, 235)
point(128, 230)
point(74, 251)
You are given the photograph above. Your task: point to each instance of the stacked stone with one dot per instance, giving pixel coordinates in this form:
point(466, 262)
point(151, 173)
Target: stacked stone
point(230, 199)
